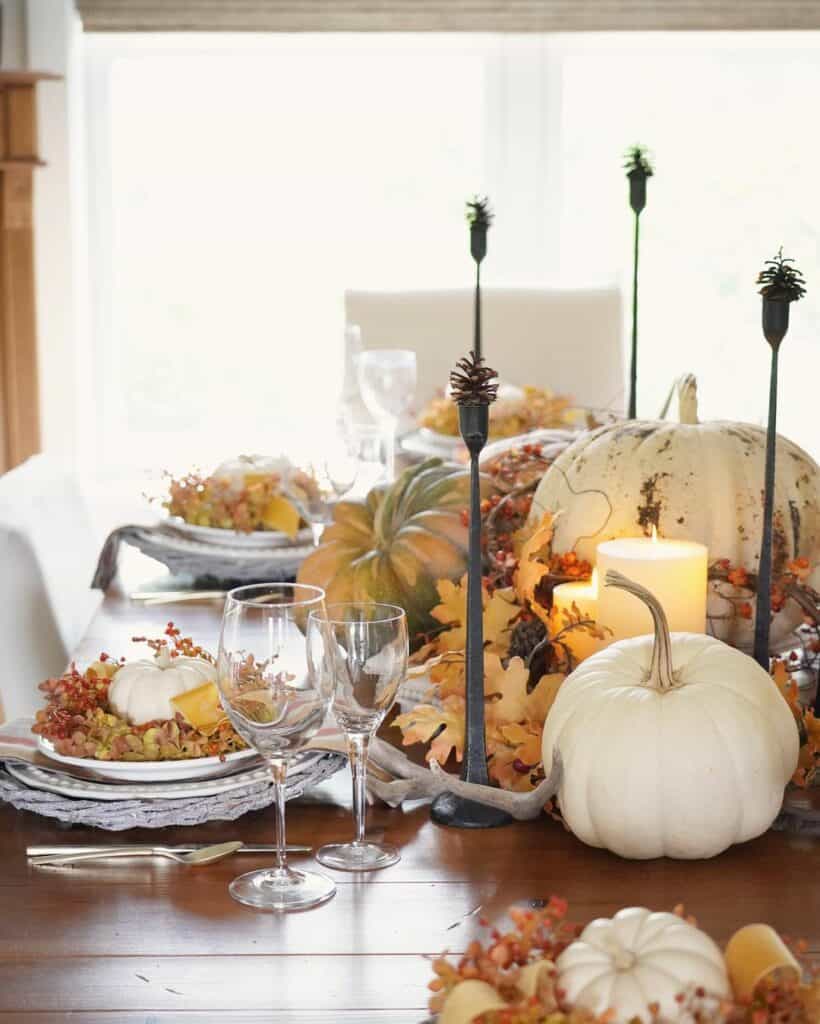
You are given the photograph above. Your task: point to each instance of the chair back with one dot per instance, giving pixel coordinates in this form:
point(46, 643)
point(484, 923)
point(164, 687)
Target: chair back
point(49, 551)
point(569, 341)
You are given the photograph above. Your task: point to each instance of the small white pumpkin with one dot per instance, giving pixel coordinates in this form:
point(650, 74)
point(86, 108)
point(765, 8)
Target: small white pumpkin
point(141, 691)
point(234, 471)
point(693, 481)
point(636, 958)
point(670, 745)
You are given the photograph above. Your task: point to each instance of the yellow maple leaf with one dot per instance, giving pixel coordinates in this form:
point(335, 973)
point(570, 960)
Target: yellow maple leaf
point(534, 564)
point(452, 612)
point(446, 724)
point(788, 687)
point(515, 704)
point(499, 611)
point(510, 684)
point(503, 769)
point(448, 676)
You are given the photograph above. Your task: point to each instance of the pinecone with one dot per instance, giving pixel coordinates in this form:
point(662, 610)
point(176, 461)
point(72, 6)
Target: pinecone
point(525, 637)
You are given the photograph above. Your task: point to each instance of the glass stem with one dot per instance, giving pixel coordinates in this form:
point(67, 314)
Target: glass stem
point(279, 772)
point(390, 431)
point(358, 744)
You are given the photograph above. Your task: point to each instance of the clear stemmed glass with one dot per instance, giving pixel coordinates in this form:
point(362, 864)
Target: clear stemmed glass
point(387, 381)
point(276, 693)
point(332, 478)
point(366, 651)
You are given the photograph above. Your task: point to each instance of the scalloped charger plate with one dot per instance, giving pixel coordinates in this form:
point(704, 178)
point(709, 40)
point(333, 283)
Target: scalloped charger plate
point(150, 771)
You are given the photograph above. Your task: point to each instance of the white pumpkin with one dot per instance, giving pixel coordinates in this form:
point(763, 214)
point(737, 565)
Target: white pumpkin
point(235, 470)
point(671, 745)
point(693, 481)
point(141, 691)
point(636, 958)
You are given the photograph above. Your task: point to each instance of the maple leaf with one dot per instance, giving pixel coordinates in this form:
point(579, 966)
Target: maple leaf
point(516, 705)
point(503, 769)
point(444, 726)
point(534, 565)
point(499, 611)
point(448, 676)
point(788, 687)
point(452, 612)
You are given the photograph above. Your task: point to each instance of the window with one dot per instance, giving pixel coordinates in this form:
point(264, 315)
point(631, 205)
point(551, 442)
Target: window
point(238, 184)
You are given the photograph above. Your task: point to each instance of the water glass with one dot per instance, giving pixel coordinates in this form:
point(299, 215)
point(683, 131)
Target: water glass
point(366, 649)
point(387, 381)
point(276, 692)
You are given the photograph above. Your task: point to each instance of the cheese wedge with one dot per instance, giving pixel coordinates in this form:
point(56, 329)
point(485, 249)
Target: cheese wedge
point(201, 708)
point(281, 514)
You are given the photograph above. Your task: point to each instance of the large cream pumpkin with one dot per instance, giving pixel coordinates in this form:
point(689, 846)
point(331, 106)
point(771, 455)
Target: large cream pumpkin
point(670, 745)
point(141, 691)
point(693, 481)
point(637, 958)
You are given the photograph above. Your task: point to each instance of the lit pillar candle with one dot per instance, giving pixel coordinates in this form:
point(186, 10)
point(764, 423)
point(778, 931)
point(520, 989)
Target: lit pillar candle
point(584, 595)
point(675, 572)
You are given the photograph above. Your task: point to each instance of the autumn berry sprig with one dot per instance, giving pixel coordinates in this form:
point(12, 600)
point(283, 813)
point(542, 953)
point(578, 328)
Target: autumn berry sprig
point(781, 284)
point(638, 170)
point(479, 218)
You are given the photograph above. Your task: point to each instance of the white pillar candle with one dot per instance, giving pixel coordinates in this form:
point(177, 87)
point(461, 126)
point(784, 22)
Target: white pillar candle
point(584, 595)
point(675, 572)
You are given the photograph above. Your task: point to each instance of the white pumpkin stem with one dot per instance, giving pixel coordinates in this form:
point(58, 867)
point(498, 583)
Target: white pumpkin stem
point(661, 675)
point(688, 399)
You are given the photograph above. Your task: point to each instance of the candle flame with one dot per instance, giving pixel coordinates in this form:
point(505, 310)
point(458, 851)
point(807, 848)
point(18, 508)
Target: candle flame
point(654, 534)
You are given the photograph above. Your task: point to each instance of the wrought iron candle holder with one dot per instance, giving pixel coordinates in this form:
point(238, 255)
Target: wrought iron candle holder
point(479, 217)
point(781, 284)
point(473, 387)
point(638, 169)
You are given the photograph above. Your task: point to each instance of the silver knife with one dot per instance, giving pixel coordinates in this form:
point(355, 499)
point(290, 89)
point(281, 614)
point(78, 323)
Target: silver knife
point(70, 851)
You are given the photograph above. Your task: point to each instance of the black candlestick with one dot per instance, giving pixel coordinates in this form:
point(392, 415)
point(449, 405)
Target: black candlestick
point(782, 285)
point(638, 169)
point(479, 217)
point(473, 388)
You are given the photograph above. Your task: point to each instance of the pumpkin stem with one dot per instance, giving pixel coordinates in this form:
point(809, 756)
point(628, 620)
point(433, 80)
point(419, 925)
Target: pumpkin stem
point(661, 675)
point(688, 399)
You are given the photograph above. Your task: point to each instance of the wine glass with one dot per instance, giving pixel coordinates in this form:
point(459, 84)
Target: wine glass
point(387, 381)
point(365, 648)
point(330, 479)
point(276, 693)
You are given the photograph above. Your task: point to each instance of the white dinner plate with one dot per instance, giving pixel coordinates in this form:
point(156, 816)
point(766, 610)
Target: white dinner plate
point(306, 769)
point(236, 538)
point(150, 771)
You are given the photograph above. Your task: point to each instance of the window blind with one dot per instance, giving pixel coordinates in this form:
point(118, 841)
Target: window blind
point(444, 15)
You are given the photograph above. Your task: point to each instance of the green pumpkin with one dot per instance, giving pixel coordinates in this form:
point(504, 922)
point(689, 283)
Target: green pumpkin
point(396, 544)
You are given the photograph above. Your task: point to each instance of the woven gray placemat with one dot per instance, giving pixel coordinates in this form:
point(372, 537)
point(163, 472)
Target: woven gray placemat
point(115, 816)
point(185, 556)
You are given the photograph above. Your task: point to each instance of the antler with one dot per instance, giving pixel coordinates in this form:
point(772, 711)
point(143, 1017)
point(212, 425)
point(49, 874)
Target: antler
point(412, 781)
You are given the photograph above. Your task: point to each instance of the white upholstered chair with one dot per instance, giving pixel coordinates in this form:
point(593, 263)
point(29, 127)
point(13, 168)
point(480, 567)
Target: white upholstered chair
point(47, 556)
point(567, 340)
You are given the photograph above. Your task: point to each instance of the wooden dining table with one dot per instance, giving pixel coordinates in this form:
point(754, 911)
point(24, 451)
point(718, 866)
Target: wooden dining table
point(154, 941)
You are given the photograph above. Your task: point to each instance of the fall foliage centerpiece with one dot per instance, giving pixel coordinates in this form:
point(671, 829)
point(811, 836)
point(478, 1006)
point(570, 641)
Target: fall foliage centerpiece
point(637, 967)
